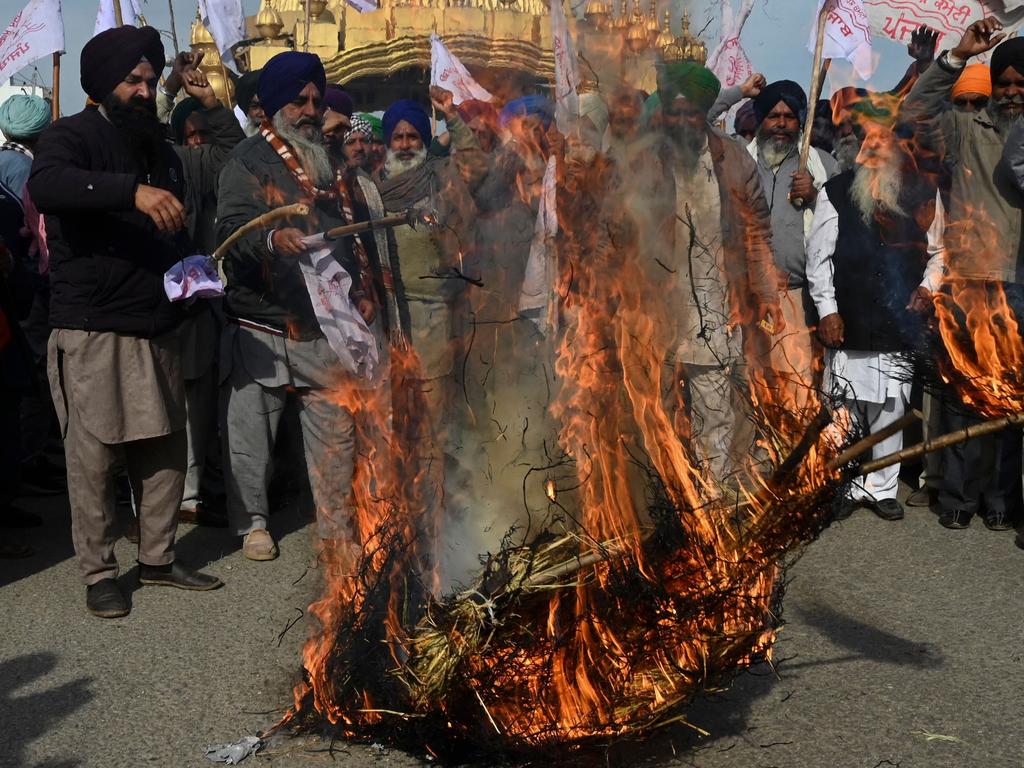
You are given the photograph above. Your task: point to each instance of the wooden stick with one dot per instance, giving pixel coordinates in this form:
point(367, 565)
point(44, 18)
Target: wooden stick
point(816, 73)
point(118, 17)
point(863, 446)
point(930, 446)
point(296, 209)
point(55, 96)
point(361, 226)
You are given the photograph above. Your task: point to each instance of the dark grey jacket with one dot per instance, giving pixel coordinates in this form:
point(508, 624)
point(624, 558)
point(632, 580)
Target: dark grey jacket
point(983, 223)
point(261, 286)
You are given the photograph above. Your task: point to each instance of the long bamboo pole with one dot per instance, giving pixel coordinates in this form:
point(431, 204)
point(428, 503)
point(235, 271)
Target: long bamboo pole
point(817, 72)
point(362, 226)
point(862, 446)
point(118, 16)
point(55, 96)
point(174, 26)
point(945, 441)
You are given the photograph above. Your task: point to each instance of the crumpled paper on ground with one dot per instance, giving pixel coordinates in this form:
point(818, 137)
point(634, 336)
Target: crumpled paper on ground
point(234, 753)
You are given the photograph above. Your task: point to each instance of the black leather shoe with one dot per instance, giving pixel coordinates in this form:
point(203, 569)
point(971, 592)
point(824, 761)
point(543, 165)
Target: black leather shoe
point(105, 599)
point(887, 509)
point(997, 521)
point(955, 519)
point(177, 575)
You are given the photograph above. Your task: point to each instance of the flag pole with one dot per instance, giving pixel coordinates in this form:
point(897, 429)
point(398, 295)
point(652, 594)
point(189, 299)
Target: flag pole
point(55, 96)
point(174, 26)
point(117, 14)
point(305, 42)
point(817, 71)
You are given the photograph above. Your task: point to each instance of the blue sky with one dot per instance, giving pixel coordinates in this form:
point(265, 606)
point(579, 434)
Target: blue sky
point(775, 39)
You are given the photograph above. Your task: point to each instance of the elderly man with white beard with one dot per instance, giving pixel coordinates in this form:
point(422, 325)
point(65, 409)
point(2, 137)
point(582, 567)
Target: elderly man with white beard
point(273, 346)
point(866, 265)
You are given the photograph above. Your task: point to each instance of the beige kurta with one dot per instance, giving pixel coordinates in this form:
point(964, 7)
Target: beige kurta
point(703, 336)
point(124, 388)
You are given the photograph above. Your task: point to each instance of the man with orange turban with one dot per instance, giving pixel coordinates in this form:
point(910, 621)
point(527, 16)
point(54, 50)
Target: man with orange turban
point(972, 89)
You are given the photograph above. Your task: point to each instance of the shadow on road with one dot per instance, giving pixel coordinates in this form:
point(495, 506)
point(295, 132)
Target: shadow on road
point(863, 641)
point(29, 716)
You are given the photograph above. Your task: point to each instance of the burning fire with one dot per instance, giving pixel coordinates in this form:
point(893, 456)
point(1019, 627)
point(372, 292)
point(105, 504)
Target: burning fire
point(645, 584)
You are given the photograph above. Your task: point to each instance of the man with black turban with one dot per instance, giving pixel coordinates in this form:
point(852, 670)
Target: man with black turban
point(273, 346)
point(702, 232)
point(111, 190)
point(984, 247)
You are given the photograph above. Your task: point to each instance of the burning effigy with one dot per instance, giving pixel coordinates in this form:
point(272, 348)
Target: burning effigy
point(575, 514)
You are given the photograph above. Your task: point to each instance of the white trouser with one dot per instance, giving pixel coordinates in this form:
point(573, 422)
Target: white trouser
point(872, 418)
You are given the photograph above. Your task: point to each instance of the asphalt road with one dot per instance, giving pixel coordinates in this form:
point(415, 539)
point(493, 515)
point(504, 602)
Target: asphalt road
point(904, 646)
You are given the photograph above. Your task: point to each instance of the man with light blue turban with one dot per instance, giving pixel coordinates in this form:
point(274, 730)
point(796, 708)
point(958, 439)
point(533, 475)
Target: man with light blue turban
point(22, 119)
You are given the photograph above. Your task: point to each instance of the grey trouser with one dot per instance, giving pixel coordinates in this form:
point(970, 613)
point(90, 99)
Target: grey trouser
point(200, 404)
point(251, 414)
point(718, 417)
point(84, 370)
point(154, 468)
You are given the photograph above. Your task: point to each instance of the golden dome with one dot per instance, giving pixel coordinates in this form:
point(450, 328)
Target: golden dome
point(621, 22)
point(686, 47)
point(665, 38)
point(200, 34)
point(597, 13)
point(268, 21)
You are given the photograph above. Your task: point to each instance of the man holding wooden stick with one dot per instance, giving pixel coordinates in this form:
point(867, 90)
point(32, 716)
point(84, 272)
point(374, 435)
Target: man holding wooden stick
point(273, 344)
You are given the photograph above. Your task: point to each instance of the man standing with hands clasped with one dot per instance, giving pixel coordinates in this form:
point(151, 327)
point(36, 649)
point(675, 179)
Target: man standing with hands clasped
point(111, 190)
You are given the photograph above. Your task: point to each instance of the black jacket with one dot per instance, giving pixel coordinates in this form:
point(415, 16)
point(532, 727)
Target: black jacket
point(261, 286)
point(877, 266)
point(107, 260)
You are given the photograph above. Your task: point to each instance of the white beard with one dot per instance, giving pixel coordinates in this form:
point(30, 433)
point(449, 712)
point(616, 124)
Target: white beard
point(877, 188)
point(393, 165)
point(311, 152)
point(774, 151)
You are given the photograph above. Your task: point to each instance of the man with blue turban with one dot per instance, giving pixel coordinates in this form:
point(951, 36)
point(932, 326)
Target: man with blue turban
point(273, 347)
point(443, 187)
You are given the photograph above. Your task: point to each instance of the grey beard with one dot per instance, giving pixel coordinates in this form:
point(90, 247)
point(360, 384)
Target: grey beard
point(311, 152)
point(775, 151)
point(393, 165)
point(1001, 118)
point(877, 188)
point(688, 145)
point(846, 150)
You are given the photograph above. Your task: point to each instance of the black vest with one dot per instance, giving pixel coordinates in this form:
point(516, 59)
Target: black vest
point(877, 265)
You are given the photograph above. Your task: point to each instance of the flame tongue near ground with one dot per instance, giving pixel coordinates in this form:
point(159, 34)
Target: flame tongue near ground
point(639, 585)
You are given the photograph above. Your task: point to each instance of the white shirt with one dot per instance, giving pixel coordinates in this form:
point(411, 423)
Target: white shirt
point(871, 377)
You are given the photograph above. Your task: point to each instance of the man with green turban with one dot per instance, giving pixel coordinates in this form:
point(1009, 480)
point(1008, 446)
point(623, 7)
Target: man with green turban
point(701, 232)
point(378, 150)
point(22, 119)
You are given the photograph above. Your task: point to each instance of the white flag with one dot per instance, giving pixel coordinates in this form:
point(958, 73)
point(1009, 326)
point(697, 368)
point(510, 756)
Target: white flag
point(847, 34)
point(226, 21)
point(898, 20)
point(37, 31)
point(446, 71)
point(729, 42)
point(535, 299)
point(567, 75)
point(733, 65)
point(106, 18)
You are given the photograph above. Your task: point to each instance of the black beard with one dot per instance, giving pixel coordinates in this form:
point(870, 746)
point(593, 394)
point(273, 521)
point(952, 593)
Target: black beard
point(139, 126)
